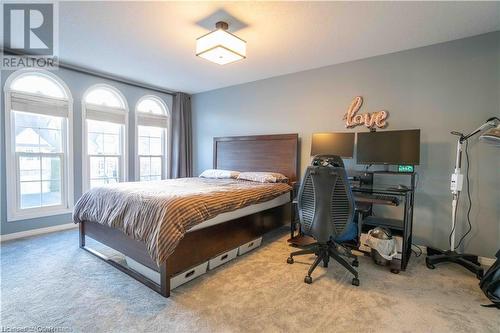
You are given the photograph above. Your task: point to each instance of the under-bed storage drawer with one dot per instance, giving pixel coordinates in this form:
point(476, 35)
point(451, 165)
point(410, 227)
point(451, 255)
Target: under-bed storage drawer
point(175, 281)
point(222, 259)
point(249, 246)
point(188, 275)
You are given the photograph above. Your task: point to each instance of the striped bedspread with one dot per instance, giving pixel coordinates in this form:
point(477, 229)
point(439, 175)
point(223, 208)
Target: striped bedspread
point(159, 213)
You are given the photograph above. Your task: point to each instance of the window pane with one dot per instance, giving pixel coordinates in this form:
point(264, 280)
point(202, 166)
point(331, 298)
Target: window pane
point(150, 140)
point(36, 193)
point(26, 119)
point(54, 140)
point(151, 105)
point(51, 193)
point(155, 146)
point(103, 138)
point(97, 167)
point(97, 182)
point(30, 194)
point(38, 84)
point(145, 166)
point(104, 97)
point(112, 167)
point(104, 170)
point(51, 168)
point(102, 181)
point(156, 166)
point(151, 131)
point(95, 126)
point(143, 145)
point(29, 168)
point(111, 144)
point(38, 133)
point(95, 143)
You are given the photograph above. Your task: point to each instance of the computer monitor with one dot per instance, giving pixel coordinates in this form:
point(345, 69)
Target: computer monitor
point(340, 144)
point(389, 147)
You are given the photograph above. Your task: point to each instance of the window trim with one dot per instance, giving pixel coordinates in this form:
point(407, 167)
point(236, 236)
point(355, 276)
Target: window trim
point(166, 136)
point(125, 142)
point(14, 212)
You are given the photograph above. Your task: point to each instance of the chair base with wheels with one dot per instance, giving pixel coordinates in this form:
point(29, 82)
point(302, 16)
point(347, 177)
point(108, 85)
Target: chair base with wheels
point(323, 254)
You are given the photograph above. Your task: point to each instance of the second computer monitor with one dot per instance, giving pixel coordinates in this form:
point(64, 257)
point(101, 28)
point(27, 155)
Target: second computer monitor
point(389, 147)
point(340, 144)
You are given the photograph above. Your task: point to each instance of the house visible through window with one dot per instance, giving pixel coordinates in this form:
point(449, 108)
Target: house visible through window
point(104, 148)
point(105, 122)
point(39, 148)
point(151, 152)
point(38, 120)
point(152, 138)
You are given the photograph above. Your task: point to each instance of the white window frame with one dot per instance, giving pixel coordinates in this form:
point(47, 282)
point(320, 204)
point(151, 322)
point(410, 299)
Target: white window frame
point(167, 133)
point(14, 212)
point(111, 111)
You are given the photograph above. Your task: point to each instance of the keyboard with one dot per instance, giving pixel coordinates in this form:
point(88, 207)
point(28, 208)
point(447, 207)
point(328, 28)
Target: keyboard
point(377, 198)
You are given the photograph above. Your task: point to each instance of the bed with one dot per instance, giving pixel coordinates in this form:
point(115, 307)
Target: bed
point(216, 235)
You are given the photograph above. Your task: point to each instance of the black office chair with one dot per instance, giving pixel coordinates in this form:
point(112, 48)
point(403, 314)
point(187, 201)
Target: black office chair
point(326, 212)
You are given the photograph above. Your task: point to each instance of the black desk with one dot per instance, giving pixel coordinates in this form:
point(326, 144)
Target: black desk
point(400, 227)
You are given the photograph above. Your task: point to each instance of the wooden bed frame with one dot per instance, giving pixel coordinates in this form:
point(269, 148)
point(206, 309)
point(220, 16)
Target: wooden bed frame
point(277, 153)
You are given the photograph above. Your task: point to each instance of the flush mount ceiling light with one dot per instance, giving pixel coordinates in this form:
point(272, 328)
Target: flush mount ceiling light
point(220, 46)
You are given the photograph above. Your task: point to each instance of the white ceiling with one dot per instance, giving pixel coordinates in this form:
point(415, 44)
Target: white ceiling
point(154, 42)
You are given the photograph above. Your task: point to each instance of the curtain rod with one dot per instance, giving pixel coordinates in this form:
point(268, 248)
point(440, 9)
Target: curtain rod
point(102, 75)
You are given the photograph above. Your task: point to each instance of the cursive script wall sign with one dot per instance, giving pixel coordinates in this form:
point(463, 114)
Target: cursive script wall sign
point(370, 120)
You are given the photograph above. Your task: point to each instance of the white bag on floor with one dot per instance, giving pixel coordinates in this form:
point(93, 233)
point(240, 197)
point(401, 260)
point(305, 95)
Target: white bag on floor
point(385, 247)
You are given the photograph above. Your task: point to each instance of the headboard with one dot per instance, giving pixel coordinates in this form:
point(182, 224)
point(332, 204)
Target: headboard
point(275, 153)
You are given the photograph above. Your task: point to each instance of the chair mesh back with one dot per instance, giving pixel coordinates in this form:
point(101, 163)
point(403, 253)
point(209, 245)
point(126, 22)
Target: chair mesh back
point(325, 203)
point(340, 208)
point(308, 202)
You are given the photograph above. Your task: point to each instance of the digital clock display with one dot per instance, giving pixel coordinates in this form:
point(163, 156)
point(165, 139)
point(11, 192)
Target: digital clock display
point(405, 168)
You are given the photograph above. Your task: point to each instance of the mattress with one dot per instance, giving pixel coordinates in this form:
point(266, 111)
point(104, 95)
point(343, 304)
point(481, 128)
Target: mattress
point(248, 210)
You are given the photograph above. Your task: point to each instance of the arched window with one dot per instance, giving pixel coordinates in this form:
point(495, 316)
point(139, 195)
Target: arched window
point(105, 116)
point(153, 123)
point(105, 96)
point(38, 124)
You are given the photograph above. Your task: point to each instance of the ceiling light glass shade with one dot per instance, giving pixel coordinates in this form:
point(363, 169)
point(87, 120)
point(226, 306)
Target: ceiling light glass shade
point(221, 47)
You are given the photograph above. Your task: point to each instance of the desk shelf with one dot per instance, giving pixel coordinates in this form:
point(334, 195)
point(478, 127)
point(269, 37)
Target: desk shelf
point(401, 227)
point(392, 224)
point(365, 199)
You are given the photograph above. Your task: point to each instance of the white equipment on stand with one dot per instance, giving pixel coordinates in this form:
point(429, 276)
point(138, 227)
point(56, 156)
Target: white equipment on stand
point(468, 261)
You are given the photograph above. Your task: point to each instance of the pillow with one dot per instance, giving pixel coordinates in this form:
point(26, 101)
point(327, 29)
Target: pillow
point(219, 173)
point(263, 177)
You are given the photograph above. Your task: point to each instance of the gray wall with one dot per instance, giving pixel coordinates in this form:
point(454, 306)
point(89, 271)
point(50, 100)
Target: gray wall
point(78, 83)
point(440, 88)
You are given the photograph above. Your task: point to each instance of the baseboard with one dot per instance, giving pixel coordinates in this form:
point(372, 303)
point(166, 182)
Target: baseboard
point(39, 231)
point(485, 261)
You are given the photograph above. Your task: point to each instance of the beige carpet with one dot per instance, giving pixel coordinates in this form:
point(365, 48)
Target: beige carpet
point(48, 281)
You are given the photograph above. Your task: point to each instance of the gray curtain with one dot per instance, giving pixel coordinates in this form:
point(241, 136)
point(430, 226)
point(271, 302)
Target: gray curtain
point(182, 152)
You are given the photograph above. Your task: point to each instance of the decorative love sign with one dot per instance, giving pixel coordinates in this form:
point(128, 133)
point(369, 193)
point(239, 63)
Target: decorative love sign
point(370, 120)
